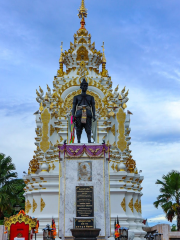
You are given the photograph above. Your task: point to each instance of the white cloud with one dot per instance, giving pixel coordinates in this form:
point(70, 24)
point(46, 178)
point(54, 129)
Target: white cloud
point(17, 138)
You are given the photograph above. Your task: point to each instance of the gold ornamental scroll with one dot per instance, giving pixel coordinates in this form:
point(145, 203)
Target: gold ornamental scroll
point(44, 144)
point(123, 204)
point(136, 205)
point(121, 117)
point(42, 204)
point(131, 204)
point(27, 206)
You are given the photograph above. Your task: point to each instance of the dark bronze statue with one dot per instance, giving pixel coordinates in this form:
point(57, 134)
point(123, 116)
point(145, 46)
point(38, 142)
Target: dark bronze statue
point(83, 112)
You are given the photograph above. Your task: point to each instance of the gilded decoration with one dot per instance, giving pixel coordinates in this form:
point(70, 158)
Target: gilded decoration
point(131, 204)
point(82, 10)
point(136, 205)
point(82, 71)
point(82, 32)
point(113, 129)
point(33, 165)
point(112, 166)
point(45, 116)
point(82, 40)
point(53, 166)
point(61, 139)
point(123, 204)
point(42, 204)
point(121, 117)
point(139, 207)
point(130, 164)
point(27, 206)
point(82, 54)
point(20, 218)
point(52, 129)
point(34, 205)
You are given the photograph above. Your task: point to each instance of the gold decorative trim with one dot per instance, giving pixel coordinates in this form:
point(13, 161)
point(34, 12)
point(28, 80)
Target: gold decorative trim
point(139, 206)
point(82, 40)
point(131, 204)
point(42, 204)
point(53, 166)
point(61, 139)
point(123, 204)
point(20, 218)
point(82, 54)
point(27, 206)
point(34, 205)
point(45, 116)
point(52, 129)
point(113, 129)
point(49, 167)
point(136, 205)
point(116, 167)
point(112, 166)
point(121, 117)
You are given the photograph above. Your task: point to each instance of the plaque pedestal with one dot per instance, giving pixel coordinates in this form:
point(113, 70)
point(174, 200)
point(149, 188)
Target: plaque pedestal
point(84, 190)
point(85, 234)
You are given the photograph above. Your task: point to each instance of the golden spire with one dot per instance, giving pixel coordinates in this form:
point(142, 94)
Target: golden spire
point(61, 57)
point(82, 10)
point(103, 58)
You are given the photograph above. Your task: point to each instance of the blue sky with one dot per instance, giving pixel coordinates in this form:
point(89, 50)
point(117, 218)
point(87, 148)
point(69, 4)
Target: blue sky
point(142, 50)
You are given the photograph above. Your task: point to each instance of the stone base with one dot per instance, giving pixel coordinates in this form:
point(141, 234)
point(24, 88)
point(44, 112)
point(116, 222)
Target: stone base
point(83, 234)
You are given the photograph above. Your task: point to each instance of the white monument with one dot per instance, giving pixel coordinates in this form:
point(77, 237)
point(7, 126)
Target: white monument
point(84, 184)
point(43, 187)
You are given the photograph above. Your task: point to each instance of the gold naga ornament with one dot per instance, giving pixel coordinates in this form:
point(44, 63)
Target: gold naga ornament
point(130, 164)
point(33, 165)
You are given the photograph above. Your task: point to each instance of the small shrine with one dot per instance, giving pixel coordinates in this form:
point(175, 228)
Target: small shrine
point(106, 159)
point(20, 226)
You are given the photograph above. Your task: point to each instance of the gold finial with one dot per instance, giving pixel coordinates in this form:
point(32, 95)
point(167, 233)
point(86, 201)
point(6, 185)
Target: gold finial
point(103, 58)
point(61, 57)
point(82, 10)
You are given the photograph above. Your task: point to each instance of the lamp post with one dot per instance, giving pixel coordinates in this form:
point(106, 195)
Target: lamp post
point(47, 233)
point(154, 235)
point(123, 233)
point(17, 208)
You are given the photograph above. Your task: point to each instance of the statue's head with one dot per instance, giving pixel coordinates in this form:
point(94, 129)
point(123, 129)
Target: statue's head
point(84, 85)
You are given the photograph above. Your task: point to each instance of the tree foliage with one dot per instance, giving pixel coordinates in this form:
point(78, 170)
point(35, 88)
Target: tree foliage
point(11, 188)
point(169, 199)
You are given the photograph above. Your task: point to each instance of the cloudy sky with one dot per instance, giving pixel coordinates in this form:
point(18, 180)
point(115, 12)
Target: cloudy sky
point(142, 49)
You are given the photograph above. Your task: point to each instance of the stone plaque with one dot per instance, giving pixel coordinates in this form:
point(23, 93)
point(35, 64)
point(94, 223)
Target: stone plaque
point(84, 201)
point(85, 171)
point(84, 223)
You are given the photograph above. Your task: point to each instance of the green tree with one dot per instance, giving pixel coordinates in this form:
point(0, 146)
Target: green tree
point(11, 188)
point(7, 169)
point(173, 228)
point(169, 199)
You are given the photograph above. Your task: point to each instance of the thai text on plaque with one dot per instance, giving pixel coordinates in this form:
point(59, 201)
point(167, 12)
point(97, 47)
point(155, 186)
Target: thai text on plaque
point(84, 201)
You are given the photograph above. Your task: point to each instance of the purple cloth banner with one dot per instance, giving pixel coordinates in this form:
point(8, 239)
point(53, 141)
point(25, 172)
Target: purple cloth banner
point(78, 150)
